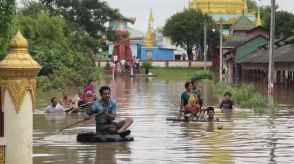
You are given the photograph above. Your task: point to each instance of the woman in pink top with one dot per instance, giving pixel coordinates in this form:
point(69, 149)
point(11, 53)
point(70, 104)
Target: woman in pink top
point(90, 87)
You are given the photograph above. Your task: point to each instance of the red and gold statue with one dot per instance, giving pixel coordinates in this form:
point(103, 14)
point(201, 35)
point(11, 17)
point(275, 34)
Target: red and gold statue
point(121, 48)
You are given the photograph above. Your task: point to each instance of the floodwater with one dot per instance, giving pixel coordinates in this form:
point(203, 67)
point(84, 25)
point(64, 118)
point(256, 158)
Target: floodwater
point(245, 137)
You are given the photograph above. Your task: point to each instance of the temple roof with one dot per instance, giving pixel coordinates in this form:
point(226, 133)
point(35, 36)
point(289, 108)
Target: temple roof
point(135, 34)
point(234, 41)
point(243, 24)
point(231, 18)
point(123, 25)
point(282, 54)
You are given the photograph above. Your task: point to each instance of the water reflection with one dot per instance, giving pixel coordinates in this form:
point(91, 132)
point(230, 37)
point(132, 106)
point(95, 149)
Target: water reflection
point(245, 138)
point(54, 117)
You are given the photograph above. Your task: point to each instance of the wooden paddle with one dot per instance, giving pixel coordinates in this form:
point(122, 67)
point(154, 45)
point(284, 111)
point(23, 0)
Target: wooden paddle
point(68, 110)
point(92, 116)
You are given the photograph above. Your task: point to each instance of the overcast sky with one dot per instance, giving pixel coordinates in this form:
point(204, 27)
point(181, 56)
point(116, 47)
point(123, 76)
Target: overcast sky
point(163, 9)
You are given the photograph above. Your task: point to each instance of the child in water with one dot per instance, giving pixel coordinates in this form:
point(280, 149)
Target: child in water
point(227, 104)
point(210, 114)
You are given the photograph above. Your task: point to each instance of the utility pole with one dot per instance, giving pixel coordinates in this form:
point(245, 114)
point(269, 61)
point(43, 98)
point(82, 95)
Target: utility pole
point(205, 44)
point(221, 50)
point(271, 54)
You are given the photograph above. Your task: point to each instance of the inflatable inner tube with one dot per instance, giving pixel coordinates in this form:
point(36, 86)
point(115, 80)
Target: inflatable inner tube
point(102, 137)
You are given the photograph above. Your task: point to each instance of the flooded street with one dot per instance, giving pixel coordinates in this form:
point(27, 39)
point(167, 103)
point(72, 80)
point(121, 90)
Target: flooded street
point(245, 138)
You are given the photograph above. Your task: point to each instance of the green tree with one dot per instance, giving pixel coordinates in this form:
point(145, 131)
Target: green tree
point(54, 42)
point(252, 6)
point(63, 48)
point(185, 29)
point(33, 9)
point(284, 22)
point(46, 39)
point(7, 9)
point(265, 13)
point(89, 14)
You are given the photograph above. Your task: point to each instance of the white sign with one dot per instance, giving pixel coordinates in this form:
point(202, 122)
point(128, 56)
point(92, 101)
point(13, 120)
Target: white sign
point(115, 58)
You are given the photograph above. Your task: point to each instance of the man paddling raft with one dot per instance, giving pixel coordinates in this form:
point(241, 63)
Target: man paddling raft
point(105, 122)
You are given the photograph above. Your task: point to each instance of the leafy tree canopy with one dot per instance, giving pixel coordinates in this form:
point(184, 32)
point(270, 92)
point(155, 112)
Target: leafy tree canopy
point(7, 9)
point(54, 42)
point(284, 22)
point(252, 6)
point(62, 37)
point(89, 14)
point(185, 29)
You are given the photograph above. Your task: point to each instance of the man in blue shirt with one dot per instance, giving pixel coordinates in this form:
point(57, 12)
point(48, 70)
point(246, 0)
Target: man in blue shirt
point(54, 107)
point(105, 121)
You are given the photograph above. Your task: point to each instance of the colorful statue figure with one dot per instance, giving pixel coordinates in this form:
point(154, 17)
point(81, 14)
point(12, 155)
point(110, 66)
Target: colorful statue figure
point(121, 48)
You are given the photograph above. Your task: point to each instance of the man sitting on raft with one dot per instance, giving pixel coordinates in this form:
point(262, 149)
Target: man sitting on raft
point(105, 122)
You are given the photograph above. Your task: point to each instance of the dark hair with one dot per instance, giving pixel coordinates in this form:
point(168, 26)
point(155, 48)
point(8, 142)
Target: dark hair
point(187, 84)
point(103, 88)
point(228, 94)
point(210, 109)
point(195, 80)
point(52, 99)
point(89, 81)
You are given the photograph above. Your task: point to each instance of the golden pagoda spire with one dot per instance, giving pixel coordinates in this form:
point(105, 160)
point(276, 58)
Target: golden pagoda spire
point(258, 20)
point(148, 41)
point(151, 18)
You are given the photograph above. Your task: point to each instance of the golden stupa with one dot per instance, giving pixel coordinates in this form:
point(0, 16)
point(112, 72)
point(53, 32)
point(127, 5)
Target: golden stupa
point(258, 19)
point(226, 12)
point(220, 6)
point(149, 39)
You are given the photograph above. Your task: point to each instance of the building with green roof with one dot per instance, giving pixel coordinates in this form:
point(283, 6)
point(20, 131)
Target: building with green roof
point(245, 40)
